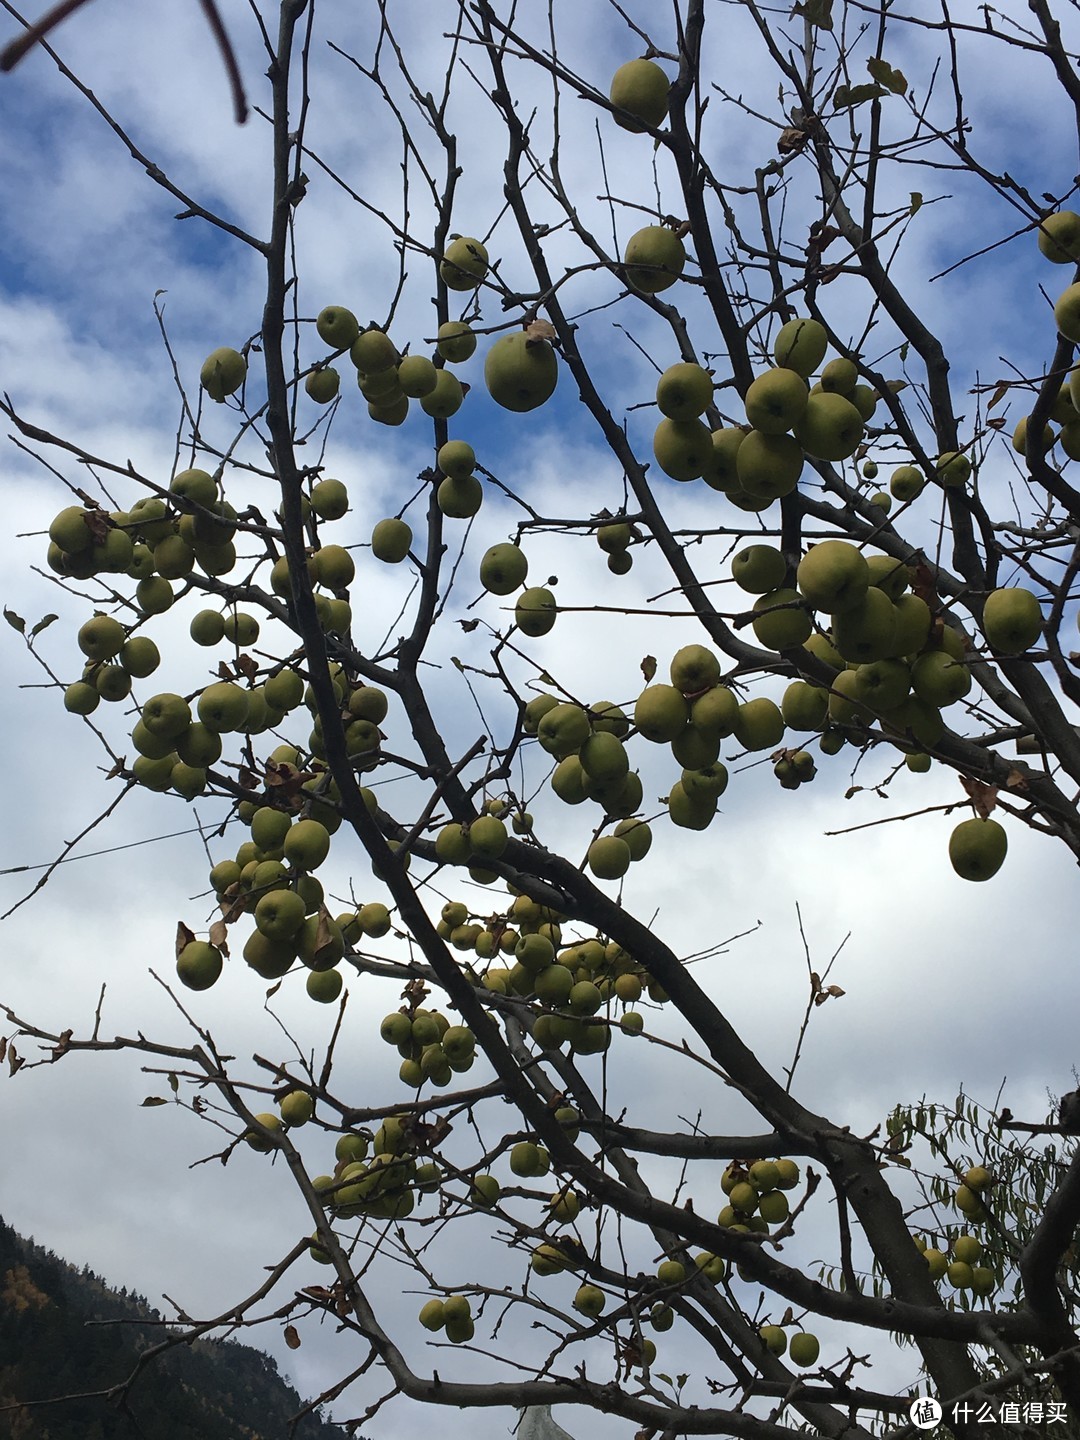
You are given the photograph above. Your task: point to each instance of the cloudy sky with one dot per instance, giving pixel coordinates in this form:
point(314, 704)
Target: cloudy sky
point(947, 984)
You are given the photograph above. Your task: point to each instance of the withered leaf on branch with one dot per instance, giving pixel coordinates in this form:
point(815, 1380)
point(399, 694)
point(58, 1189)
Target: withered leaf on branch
point(15, 1062)
point(184, 937)
point(1016, 780)
point(847, 96)
point(3, 1048)
point(541, 330)
point(248, 666)
point(247, 778)
point(225, 671)
point(317, 1292)
point(292, 1339)
point(894, 80)
point(43, 624)
point(834, 991)
point(219, 936)
point(15, 621)
point(791, 140)
point(648, 668)
point(174, 1083)
point(63, 1045)
point(983, 797)
point(233, 905)
point(152, 1100)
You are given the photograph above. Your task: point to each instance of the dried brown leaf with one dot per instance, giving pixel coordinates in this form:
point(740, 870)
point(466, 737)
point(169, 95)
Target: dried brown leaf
point(219, 936)
point(292, 1339)
point(184, 937)
point(983, 797)
point(541, 330)
point(835, 991)
point(152, 1101)
point(1016, 780)
point(648, 668)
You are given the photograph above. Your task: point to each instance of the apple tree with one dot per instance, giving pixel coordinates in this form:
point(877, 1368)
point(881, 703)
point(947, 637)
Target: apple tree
point(696, 249)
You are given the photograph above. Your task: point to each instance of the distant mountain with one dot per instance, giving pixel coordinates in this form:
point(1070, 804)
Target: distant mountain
point(208, 1390)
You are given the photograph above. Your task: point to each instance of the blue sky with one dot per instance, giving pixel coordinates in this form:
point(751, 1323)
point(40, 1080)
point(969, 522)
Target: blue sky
point(946, 982)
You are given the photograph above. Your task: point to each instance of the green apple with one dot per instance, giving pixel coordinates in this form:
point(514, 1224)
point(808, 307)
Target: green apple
point(833, 575)
point(912, 619)
point(774, 1338)
point(334, 568)
point(374, 353)
point(800, 345)
point(722, 472)
point(831, 427)
point(759, 725)
point(329, 499)
point(307, 844)
point(69, 530)
point(198, 486)
point(112, 682)
point(781, 621)
point(223, 372)
point(464, 263)
point(609, 857)
point(883, 684)
point(391, 540)
point(757, 569)
point(952, 469)
point(140, 656)
point(456, 458)
point(520, 372)
point(445, 398)
point(683, 448)
point(223, 707)
point(154, 595)
point(503, 568)
point(240, 628)
point(705, 782)
point(166, 716)
point(323, 384)
point(639, 90)
point(417, 376)
point(866, 631)
point(337, 326)
point(603, 756)
point(279, 915)
point(654, 258)
point(535, 611)
point(803, 1349)
point(563, 730)
point(285, 690)
point(487, 837)
point(804, 707)
point(1059, 237)
point(661, 713)
point(199, 965)
point(690, 812)
point(460, 499)
point(81, 698)
point(977, 848)
point(684, 391)
point(694, 668)
point(939, 679)
point(840, 376)
point(101, 637)
point(769, 466)
point(907, 483)
point(589, 1300)
point(1011, 620)
point(713, 714)
point(776, 401)
point(455, 342)
point(173, 558)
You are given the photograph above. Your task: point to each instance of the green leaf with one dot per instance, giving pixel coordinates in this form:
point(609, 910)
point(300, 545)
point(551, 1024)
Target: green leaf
point(893, 80)
point(43, 624)
point(174, 1084)
point(15, 621)
point(154, 1100)
point(847, 96)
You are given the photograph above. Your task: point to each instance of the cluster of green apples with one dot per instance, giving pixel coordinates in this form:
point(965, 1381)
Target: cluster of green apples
point(802, 1349)
point(788, 420)
point(452, 1315)
point(430, 1047)
point(756, 1194)
point(963, 1270)
point(892, 662)
point(161, 538)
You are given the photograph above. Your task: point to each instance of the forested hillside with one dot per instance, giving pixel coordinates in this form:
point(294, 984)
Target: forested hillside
point(52, 1343)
